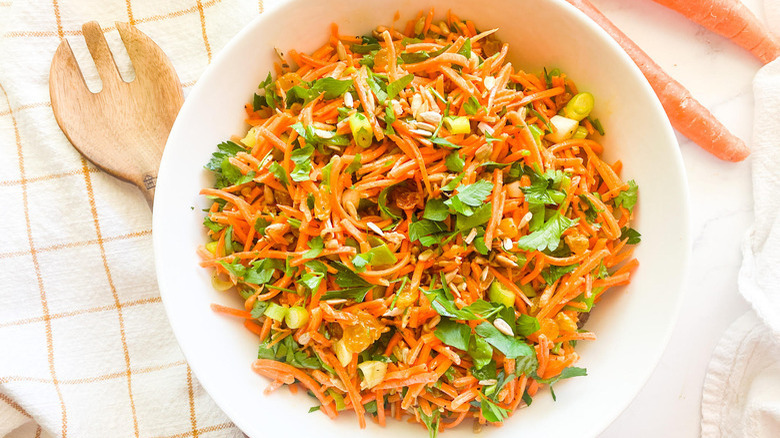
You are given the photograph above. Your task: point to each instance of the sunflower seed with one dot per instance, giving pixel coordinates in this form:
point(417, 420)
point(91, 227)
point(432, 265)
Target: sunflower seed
point(505, 261)
point(431, 117)
point(470, 237)
point(416, 104)
point(421, 132)
point(524, 221)
point(445, 30)
point(489, 82)
point(348, 100)
point(321, 133)
point(375, 228)
point(508, 244)
point(426, 126)
point(485, 128)
point(503, 327)
point(427, 254)
point(341, 51)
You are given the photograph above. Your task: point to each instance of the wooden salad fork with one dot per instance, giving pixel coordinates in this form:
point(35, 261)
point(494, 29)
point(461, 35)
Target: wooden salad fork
point(121, 129)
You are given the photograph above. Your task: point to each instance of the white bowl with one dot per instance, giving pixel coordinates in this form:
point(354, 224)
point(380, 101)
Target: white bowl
point(633, 323)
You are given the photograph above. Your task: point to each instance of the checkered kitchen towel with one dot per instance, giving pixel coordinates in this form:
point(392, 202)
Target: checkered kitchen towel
point(85, 347)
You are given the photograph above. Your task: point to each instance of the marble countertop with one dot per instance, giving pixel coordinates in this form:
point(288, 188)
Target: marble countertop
point(720, 75)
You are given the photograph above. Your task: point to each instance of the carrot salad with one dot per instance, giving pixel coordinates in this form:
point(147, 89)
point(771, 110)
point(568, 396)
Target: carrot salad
point(417, 229)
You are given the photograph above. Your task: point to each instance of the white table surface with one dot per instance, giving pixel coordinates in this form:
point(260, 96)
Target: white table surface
point(719, 74)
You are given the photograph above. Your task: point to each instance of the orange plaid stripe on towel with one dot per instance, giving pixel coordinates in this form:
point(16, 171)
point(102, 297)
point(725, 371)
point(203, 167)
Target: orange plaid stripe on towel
point(85, 347)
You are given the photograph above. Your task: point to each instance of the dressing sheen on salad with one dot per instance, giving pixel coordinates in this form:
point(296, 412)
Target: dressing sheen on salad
point(417, 229)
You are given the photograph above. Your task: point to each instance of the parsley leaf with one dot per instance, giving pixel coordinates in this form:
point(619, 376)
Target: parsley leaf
point(627, 198)
point(395, 87)
point(271, 98)
point(314, 276)
point(472, 106)
point(354, 165)
point(548, 236)
point(553, 273)
point(260, 225)
point(353, 286)
point(454, 162)
point(305, 92)
point(465, 50)
point(302, 159)
point(261, 271)
point(510, 346)
point(474, 194)
point(235, 267)
point(392, 212)
point(527, 325)
point(233, 174)
point(541, 190)
point(224, 150)
point(526, 365)
point(423, 228)
point(414, 57)
point(453, 334)
point(316, 246)
point(450, 186)
point(567, 373)
point(436, 210)
point(431, 422)
point(631, 234)
point(332, 88)
point(480, 216)
point(492, 412)
point(443, 142)
point(213, 226)
point(279, 173)
point(591, 214)
point(360, 261)
point(480, 351)
point(377, 86)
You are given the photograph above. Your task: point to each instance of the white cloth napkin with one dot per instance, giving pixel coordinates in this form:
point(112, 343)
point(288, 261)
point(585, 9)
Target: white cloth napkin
point(85, 347)
point(741, 395)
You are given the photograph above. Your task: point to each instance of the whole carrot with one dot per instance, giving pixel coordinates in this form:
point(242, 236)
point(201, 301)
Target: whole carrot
point(687, 115)
point(733, 20)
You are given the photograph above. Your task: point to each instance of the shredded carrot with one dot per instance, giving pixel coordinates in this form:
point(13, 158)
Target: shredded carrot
point(357, 230)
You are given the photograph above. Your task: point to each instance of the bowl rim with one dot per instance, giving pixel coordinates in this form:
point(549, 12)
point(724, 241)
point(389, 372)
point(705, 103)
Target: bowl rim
point(677, 164)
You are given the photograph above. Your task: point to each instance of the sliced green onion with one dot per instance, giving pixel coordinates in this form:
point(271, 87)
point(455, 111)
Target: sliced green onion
point(338, 399)
point(528, 290)
point(220, 284)
point(361, 130)
point(275, 312)
point(373, 372)
point(579, 106)
point(500, 294)
point(537, 133)
point(381, 256)
point(581, 132)
point(296, 317)
point(457, 125)
point(564, 128)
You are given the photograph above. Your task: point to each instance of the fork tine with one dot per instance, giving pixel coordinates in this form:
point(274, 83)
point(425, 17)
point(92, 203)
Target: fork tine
point(141, 49)
point(65, 73)
point(104, 60)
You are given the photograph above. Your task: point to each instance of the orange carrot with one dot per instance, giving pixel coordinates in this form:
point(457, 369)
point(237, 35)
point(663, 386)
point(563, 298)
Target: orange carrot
point(733, 20)
point(687, 115)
